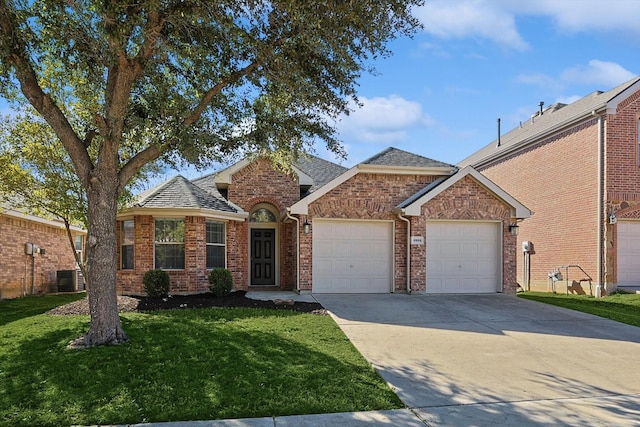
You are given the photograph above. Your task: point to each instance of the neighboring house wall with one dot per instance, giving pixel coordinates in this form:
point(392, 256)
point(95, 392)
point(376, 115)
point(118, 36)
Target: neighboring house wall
point(17, 267)
point(367, 196)
point(557, 179)
point(622, 175)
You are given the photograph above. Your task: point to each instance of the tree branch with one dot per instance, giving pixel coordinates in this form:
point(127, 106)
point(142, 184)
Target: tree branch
point(208, 96)
point(26, 75)
point(136, 163)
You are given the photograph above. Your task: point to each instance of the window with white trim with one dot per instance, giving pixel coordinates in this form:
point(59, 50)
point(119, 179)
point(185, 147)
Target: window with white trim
point(126, 245)
point(216, 246)
point(169, 244)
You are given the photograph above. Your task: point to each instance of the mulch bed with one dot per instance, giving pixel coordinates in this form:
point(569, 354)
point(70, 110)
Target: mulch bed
point(234, 299)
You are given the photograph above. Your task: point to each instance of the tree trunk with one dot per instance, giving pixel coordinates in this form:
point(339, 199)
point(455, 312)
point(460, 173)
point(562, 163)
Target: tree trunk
point(105, 328)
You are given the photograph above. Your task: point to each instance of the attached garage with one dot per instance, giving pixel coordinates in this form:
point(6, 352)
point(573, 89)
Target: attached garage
point(463, 257)
point(628, 253)
point(352, 256)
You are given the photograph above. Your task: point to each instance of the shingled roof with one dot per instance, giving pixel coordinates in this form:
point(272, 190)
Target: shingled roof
point(554, 117)
point(395, 157)
point(179, 192)
point(320, 170)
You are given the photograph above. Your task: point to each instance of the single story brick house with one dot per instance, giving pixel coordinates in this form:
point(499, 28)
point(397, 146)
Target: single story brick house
point(25, 271)
point(577, 166)
point(397, 222)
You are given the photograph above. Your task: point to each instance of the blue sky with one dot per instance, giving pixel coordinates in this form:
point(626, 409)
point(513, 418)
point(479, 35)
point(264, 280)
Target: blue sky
point(440, 94)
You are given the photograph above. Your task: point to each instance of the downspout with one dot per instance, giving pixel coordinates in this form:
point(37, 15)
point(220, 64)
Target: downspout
point(599, 287)
point(402, 218)
point(297, 248)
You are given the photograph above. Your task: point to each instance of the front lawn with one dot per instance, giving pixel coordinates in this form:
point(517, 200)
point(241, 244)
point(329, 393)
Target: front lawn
point(621, 307)
point(180, 365)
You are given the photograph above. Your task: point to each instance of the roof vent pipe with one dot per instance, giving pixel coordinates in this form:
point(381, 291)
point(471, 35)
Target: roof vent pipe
point(541, 103)
point(498, 132)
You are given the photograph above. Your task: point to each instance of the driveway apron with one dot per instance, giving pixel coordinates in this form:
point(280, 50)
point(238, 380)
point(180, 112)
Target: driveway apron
point(497, 358)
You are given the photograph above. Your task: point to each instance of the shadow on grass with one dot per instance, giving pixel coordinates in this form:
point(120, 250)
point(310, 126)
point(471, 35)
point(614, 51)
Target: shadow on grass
point(189, 365)
point(20, 308)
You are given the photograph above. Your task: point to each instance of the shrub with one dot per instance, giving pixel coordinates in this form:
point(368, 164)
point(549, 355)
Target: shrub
point(156, 283)
point(220, 282)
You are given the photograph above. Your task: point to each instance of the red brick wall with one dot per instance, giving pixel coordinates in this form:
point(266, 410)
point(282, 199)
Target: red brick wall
point(465, 200)
point(193, 279)
point(557, 179)
point(16, 267)
point(258, 183)
point(622, 174)
point(366, 196)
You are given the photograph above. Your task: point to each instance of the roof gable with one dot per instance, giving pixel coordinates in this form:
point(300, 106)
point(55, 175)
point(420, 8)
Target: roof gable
point(413, 205)
point(390, 161)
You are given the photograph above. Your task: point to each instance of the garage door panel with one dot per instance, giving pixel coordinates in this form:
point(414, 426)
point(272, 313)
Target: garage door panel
point(463, 257)
point(628, 253)
point(352, 256)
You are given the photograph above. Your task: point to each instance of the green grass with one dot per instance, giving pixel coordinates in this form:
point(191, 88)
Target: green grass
point(179, 365)
point(621, 307)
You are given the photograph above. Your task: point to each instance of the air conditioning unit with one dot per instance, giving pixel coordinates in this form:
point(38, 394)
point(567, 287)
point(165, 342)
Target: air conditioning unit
point(67, 280)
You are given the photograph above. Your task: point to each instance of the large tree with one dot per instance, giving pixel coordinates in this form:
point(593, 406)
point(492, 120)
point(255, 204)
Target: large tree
point(188, 80)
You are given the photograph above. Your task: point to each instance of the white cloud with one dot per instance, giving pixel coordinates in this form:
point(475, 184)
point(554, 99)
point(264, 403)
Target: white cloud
point(588, 15)
point(471, 18)
point(596, 72)
point(383, 119)
point(495, 20)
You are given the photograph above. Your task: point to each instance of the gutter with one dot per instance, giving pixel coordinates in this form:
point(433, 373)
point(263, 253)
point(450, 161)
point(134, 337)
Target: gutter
point(402, 218)
point(288, 210)
point(599, 287)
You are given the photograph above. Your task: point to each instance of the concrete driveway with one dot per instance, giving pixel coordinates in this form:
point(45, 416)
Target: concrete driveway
point(494, 360)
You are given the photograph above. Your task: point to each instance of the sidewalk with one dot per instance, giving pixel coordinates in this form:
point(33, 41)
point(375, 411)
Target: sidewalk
point(396, 417)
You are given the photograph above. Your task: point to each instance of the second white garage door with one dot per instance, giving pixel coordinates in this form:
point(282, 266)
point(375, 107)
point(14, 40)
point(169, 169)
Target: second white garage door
point(352, 256)
point(628, 253)
point(463, 257)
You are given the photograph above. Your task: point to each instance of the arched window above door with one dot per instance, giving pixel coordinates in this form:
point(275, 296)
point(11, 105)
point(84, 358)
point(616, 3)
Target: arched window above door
point(262, 215)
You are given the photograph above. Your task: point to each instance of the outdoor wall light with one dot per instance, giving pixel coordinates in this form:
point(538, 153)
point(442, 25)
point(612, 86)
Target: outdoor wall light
point(306, 227)
point(514, 228)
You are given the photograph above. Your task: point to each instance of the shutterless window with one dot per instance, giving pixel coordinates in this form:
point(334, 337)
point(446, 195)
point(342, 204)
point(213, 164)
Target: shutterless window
point(216, 248)
point(79, 245)
point(169, 244)
point(638, 138)
point(126, 245)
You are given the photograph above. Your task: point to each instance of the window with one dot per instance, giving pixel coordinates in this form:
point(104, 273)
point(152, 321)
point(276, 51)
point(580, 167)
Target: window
point(216, 248)
point(79, 245)
point(262, 215)
point(169, 244)
point(126, 245)
point(638, 138)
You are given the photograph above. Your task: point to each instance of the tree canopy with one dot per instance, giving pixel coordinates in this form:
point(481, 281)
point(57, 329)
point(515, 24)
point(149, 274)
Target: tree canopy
point(123, 84)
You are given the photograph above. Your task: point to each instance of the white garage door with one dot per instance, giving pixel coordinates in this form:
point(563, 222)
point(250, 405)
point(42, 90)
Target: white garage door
point(463, 257)
point(352, 256)
point(628, 253)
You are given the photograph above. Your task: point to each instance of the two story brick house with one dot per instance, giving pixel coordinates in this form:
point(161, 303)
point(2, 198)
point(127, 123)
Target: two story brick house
point(395, 222)
point(577, 167)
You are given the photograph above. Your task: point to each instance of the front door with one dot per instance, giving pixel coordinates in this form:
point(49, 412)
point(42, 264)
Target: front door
point(263, 257)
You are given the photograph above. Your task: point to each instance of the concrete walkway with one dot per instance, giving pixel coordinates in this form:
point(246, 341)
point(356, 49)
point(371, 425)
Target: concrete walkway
point(487, 360)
